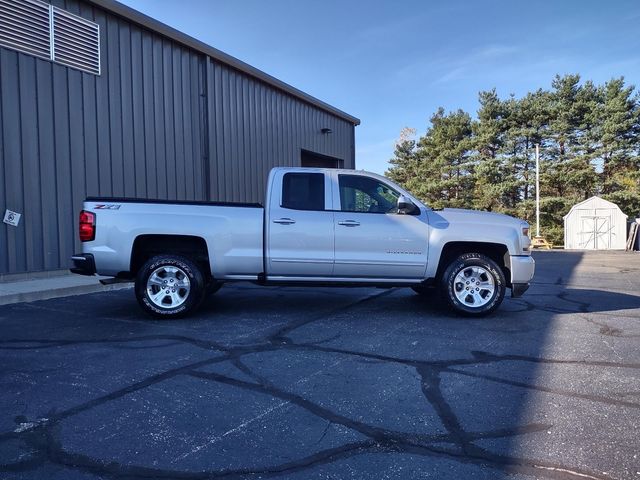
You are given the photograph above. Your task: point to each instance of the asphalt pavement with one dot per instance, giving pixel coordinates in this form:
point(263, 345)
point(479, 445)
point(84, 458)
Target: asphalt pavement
point(320, 383)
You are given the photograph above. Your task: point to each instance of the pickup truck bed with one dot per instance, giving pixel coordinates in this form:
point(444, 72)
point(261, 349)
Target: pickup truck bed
point(232, 230)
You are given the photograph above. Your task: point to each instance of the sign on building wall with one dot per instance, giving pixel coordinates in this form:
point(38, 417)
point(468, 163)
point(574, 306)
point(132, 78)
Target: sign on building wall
point(11, 218)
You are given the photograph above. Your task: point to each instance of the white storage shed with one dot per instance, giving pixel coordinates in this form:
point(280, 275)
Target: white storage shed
point(595, 224)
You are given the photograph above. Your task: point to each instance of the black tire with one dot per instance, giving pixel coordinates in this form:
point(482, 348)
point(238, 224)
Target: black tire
point(190, 298)
point(487, 302)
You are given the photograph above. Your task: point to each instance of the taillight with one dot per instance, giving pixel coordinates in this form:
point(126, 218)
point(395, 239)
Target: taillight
point(87, 226)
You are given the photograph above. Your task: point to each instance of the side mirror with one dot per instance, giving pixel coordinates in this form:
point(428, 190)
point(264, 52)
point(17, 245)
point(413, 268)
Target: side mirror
point(406, 206)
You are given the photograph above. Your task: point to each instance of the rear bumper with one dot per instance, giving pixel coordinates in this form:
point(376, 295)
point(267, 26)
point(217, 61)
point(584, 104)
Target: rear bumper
point(83, 264)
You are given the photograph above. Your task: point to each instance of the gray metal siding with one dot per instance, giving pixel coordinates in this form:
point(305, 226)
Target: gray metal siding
point(255, 128)
point(67, 134)
point(162, 121)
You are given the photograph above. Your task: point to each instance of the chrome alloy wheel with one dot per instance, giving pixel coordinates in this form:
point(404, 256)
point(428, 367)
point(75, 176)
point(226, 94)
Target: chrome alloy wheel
point(168, 287)
point(474, 286)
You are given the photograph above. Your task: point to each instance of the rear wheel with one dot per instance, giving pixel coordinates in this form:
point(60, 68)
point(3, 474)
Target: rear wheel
point(473, 285)
point(169, 286)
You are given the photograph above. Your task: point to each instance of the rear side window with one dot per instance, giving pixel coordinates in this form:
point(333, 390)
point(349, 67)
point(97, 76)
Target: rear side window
point(303, 191)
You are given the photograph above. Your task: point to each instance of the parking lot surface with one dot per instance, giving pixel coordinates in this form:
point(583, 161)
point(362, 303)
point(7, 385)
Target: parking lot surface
point(331, 383)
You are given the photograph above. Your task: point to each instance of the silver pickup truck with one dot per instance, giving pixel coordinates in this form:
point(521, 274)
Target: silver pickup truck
point(318, 227)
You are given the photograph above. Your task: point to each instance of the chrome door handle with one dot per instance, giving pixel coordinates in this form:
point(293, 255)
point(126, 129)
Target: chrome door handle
point(284, 221)
point(349, 223)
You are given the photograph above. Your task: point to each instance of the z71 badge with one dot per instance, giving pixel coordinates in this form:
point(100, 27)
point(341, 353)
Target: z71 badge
point(106, 206)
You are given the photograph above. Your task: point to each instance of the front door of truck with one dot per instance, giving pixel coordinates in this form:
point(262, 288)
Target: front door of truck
point(299, 226)
point(372, 239)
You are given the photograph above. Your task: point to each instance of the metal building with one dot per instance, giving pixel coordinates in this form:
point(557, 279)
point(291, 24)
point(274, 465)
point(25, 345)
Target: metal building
point(595, 224)
point(99, 99)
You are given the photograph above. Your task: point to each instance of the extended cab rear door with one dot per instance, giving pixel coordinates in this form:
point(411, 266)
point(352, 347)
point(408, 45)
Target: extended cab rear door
point(300, 224)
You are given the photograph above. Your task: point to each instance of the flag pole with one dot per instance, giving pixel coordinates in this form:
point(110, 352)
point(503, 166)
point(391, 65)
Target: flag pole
point(537, 189)
point(538, 241)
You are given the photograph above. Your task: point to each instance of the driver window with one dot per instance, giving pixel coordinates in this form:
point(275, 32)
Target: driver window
point(366, 194)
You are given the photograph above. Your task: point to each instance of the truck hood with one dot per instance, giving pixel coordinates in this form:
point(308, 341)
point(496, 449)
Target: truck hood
point(461, 215)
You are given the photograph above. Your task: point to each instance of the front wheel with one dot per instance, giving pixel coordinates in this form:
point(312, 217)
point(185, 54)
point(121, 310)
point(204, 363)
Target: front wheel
point(169, 286)
point(473, 285)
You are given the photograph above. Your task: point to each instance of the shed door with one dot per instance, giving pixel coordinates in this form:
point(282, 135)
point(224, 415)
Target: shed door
point(586, 237)
point(602, 233)
point(595, 233)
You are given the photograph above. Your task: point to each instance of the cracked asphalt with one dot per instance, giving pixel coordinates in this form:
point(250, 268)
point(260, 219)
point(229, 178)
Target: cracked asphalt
point(331, 383)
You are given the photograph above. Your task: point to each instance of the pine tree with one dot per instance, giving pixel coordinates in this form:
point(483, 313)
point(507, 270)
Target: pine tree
point(619, 125)
point(489, 136)
point(404, 163)
point(444, 154)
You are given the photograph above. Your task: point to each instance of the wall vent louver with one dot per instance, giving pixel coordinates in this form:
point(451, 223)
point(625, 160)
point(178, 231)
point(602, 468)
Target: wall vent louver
point(24, 26)
point(76, 41)
point(40, 29)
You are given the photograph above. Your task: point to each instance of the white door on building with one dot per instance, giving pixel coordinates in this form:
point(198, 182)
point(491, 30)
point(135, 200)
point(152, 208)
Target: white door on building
point(602, 234)
point(586, 233)
point(595, 233)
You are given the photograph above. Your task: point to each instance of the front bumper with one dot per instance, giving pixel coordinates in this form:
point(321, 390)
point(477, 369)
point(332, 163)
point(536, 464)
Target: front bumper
point(83, 264)
point(522, 269)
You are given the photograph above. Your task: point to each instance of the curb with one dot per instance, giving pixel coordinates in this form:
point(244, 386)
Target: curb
point(37, 295)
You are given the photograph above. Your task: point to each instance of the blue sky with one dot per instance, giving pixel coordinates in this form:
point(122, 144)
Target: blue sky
point(393, 63)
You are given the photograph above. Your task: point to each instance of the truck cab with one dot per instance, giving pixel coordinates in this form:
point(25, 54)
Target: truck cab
point(341, 226)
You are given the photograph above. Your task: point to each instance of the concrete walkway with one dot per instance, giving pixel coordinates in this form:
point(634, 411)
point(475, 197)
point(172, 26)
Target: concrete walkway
point(63, 285)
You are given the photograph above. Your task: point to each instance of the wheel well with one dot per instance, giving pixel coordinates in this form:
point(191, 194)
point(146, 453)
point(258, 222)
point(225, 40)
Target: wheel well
point(495, 251)
point(147, 246)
